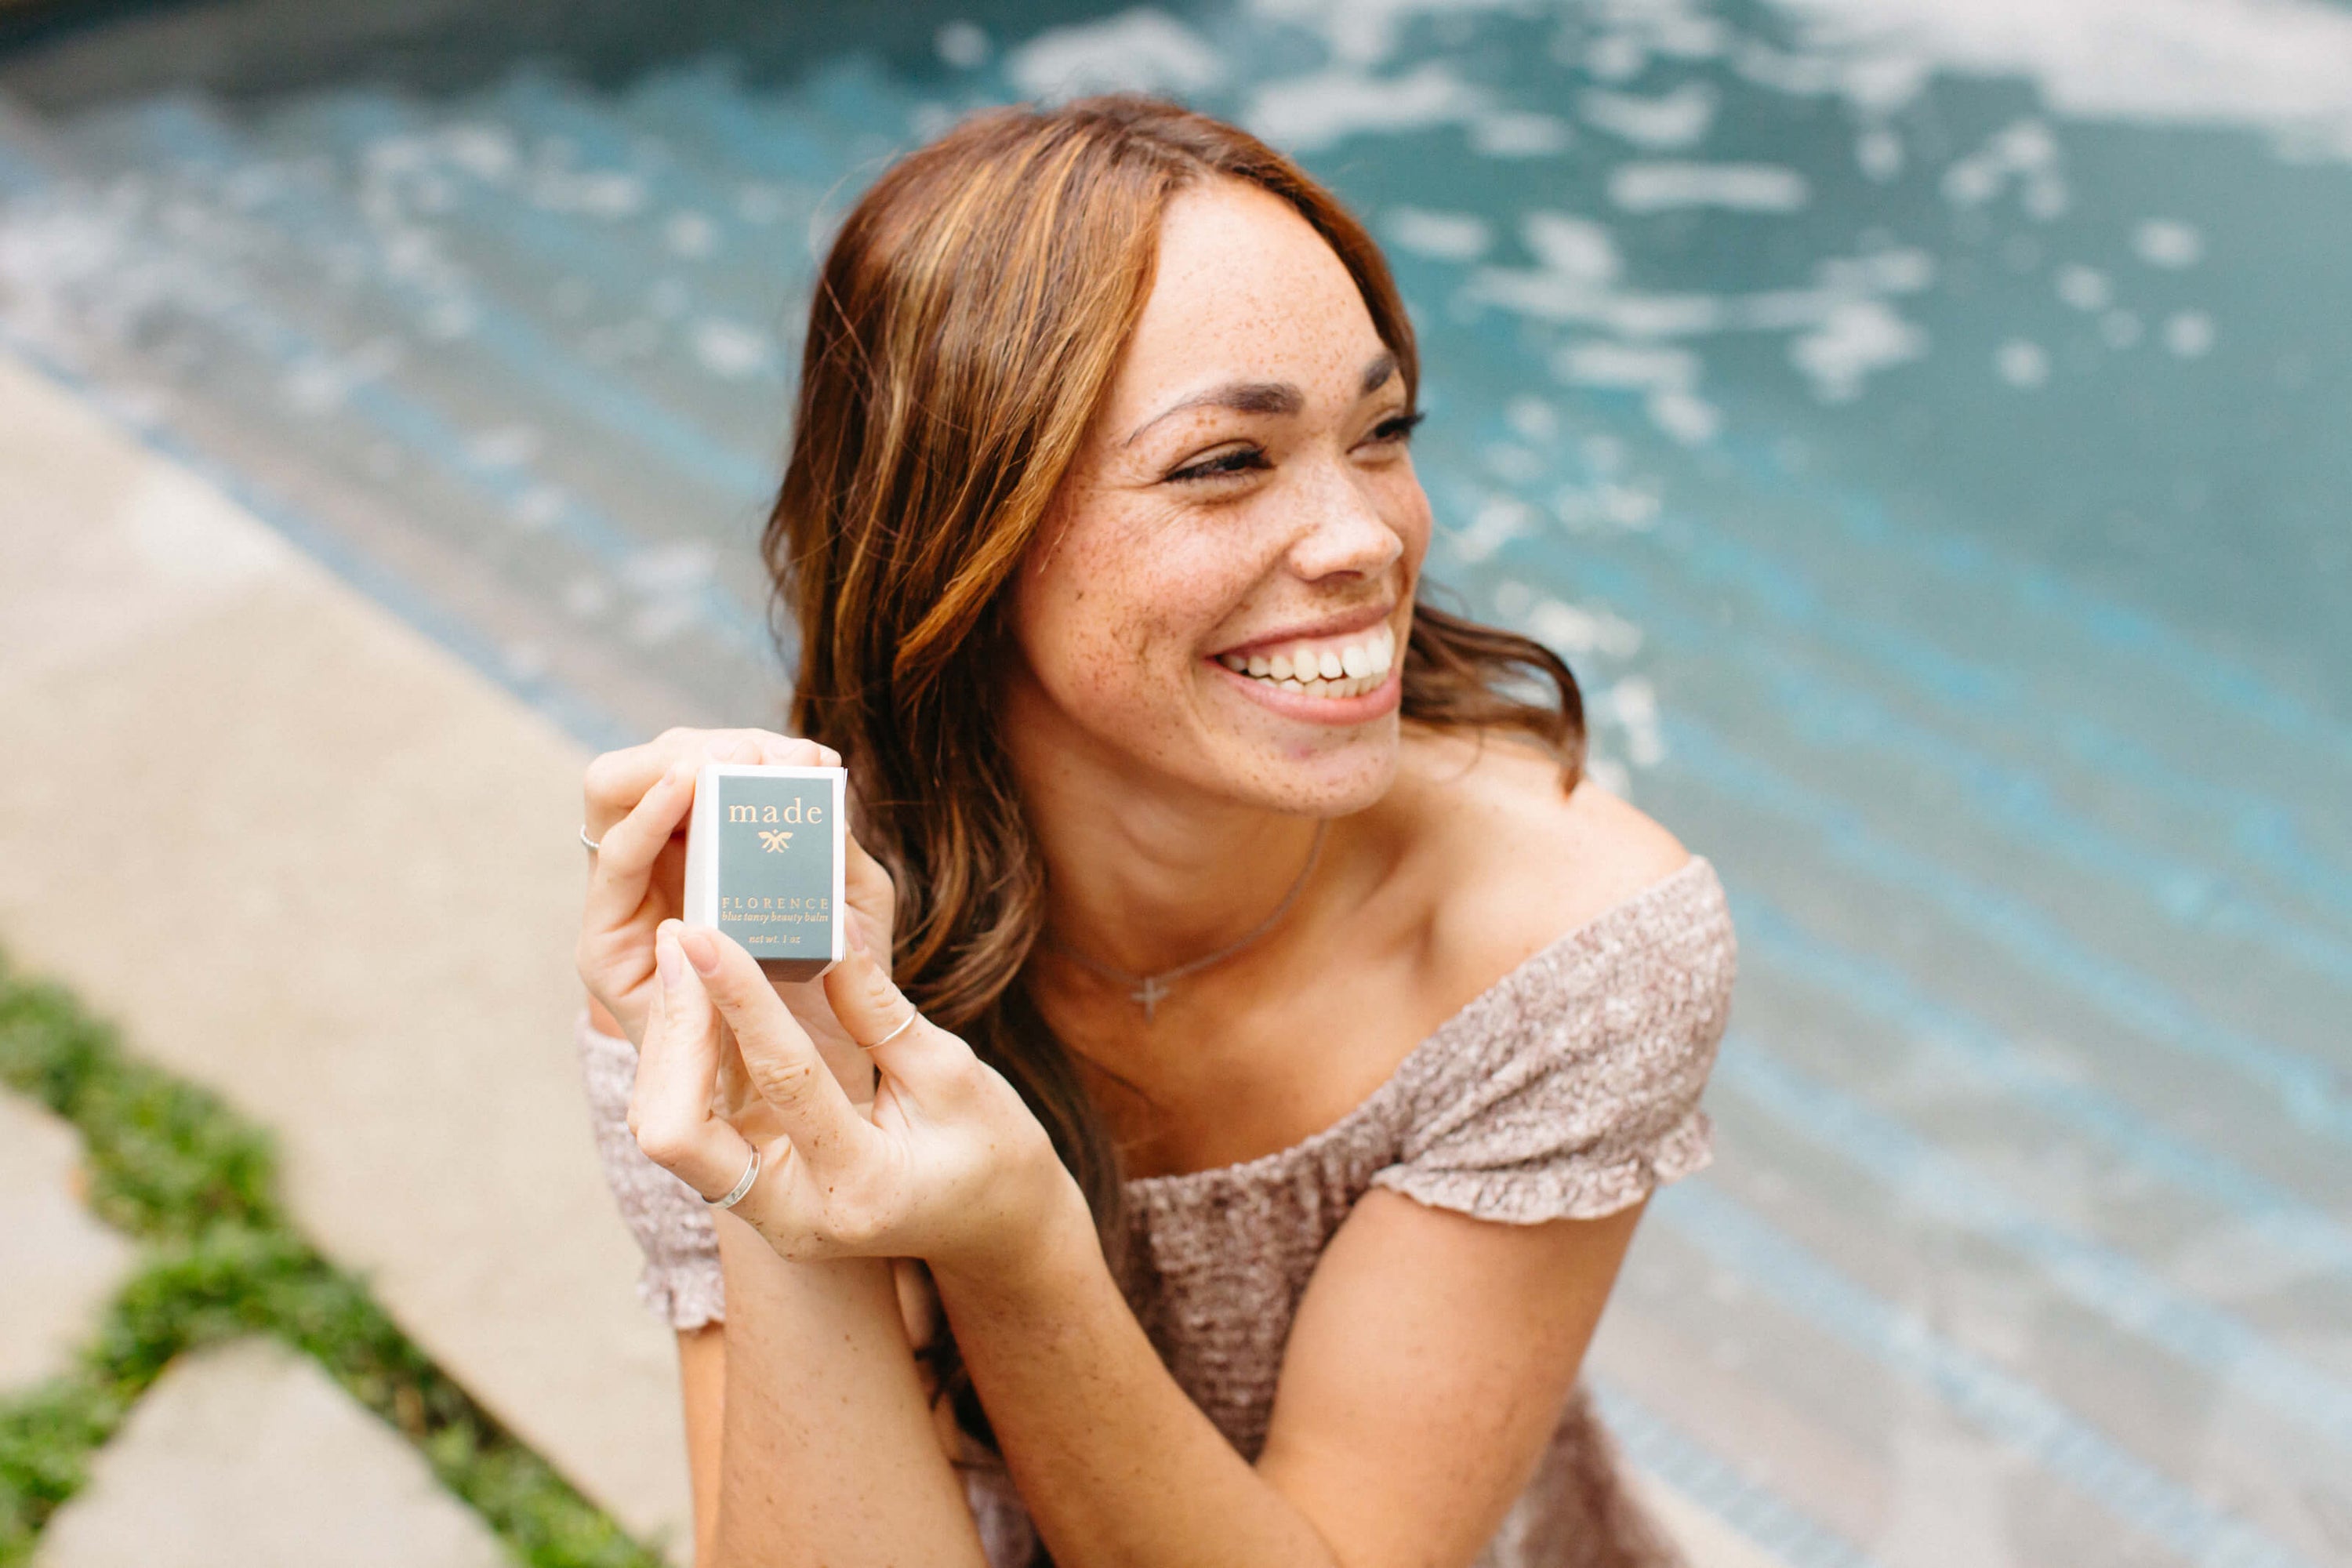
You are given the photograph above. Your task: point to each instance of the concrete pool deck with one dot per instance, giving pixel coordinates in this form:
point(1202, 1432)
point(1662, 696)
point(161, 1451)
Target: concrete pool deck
point(305, 856)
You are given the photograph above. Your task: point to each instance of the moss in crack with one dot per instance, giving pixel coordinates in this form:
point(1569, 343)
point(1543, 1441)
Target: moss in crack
point(171, 1165)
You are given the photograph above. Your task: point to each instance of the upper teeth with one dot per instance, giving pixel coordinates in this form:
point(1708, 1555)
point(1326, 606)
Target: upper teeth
point(1328, 668)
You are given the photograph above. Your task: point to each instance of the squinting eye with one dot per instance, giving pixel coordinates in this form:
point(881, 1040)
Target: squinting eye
point(1398, 428)
point(1238, 462)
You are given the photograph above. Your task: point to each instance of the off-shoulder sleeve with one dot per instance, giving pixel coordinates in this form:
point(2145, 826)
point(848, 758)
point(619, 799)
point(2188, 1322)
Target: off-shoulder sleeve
point(1571, 1088)
point(680, 1281)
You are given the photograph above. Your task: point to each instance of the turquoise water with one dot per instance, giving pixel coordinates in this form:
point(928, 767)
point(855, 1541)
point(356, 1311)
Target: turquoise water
point(1921, 422)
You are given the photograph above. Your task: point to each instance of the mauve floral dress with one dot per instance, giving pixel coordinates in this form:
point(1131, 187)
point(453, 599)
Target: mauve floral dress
point(1568, 1088)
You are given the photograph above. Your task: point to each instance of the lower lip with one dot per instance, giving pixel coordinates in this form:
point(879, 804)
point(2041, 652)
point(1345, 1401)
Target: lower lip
point(1381, 700)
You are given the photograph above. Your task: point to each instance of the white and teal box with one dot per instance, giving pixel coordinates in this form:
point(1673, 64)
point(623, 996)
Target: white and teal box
point(764, 854)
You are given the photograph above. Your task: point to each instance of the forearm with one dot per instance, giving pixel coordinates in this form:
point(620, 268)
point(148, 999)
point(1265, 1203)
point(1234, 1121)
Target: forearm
point(1114, 1462)
point(828, 1455)
point(702, 1379)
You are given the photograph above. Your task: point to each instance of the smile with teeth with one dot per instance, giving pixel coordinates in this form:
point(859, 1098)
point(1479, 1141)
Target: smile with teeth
point(1332, 666)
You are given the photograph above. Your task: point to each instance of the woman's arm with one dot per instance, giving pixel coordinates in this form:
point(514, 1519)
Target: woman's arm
point(1430, 1356)
point(1428, 1364)
point(701, 1377)
point(829, 1454)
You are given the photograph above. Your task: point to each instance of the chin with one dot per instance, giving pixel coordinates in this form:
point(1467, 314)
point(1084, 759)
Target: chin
point(1324, 775)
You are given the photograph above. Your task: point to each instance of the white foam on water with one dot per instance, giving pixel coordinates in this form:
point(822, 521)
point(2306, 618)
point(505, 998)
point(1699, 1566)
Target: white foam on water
point(690, 235)
point(486, 152)
point(1572, 247)
point(1847, 330)
point(587, 596)
point(1879, 154)
point(2084, 288)
point(1626, 366)
point(1607, 505)
point(2167, 243)
point(506, 446)
point(1448, 237)
point(449, 320)
point(679, 569)
point(2023, 364)
point(760, 204)
point(1855, 339)
point(1651, 187)
point(1307, 113)
point(1669, 376)
point(1142, 50)
point(2022, 152)
point(1684, 415)
point(324, 383)
point(1669, 122)
point(2189, 335)
point(1518, 464)
point(1367, 32)
point(525, 659)
point(607, 194)
point(537, 507)
point(1532, 418)
point(963, 44)
point(1632, 702)
point(730, 350)
point(1582, 629)
point(1517, 134)
point(2280, 66)
point(663, 621)
point(1496, 523)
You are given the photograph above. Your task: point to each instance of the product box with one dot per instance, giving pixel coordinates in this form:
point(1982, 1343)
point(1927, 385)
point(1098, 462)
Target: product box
point(764, 863)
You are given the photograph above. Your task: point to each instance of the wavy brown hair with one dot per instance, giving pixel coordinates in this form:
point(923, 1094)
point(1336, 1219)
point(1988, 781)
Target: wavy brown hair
point(965, 328)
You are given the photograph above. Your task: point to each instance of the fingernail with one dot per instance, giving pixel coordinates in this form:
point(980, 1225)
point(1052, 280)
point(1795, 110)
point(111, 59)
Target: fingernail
point(700, 950)
point(672, 965)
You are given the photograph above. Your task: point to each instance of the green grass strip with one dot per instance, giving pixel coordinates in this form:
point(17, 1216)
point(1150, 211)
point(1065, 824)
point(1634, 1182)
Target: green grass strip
point(171, 1166)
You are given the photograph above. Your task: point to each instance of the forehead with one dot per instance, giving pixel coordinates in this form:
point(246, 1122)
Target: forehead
point(1244, 289)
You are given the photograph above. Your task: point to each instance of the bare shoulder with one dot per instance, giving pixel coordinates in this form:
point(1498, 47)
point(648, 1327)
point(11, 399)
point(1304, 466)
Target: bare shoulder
point(1512, 861)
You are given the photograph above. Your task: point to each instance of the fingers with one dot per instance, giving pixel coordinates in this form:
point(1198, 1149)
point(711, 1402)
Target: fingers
point(781, 1060)
point(616, 781)
point(871, 897)
point(624, 860)
point(876, 1015)
point(670, 1110)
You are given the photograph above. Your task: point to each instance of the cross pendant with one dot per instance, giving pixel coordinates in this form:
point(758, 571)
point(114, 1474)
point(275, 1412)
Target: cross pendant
point(1149, 996)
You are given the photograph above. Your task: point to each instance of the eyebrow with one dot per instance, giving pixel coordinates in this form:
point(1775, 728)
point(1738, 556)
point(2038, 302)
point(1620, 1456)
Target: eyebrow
point(1266, 396)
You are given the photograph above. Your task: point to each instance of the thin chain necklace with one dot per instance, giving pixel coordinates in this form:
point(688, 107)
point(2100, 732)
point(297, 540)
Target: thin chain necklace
point(1151, 989)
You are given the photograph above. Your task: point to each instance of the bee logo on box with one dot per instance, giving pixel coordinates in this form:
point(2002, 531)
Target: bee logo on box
point(775, 841)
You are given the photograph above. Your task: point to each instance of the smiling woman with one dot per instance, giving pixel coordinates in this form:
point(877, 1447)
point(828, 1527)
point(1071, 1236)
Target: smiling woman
point(1102, 539)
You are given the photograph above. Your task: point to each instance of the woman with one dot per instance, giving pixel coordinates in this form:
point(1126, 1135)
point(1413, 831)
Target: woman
point(1258, 1039)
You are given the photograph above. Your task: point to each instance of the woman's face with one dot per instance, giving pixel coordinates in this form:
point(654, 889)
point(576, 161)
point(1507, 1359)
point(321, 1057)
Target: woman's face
point(1223, 588)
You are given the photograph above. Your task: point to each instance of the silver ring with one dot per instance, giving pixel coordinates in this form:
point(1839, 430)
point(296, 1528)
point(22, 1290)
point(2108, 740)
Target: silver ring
point(912, 1013)
point(592, 845)
point(742, 1184)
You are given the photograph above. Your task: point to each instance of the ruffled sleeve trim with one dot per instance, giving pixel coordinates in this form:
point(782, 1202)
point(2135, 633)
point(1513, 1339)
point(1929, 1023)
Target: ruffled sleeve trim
point(1571, 1088)
point(1533, 1193)
point(681, 1282)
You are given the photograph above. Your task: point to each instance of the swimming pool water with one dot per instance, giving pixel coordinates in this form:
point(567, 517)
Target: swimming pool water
point(1922, 423)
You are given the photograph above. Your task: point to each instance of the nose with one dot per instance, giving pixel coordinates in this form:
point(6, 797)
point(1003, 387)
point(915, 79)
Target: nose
point(1342, 532)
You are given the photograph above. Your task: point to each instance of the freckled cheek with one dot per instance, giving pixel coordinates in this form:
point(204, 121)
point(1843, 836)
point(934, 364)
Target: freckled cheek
point(1129, 608)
